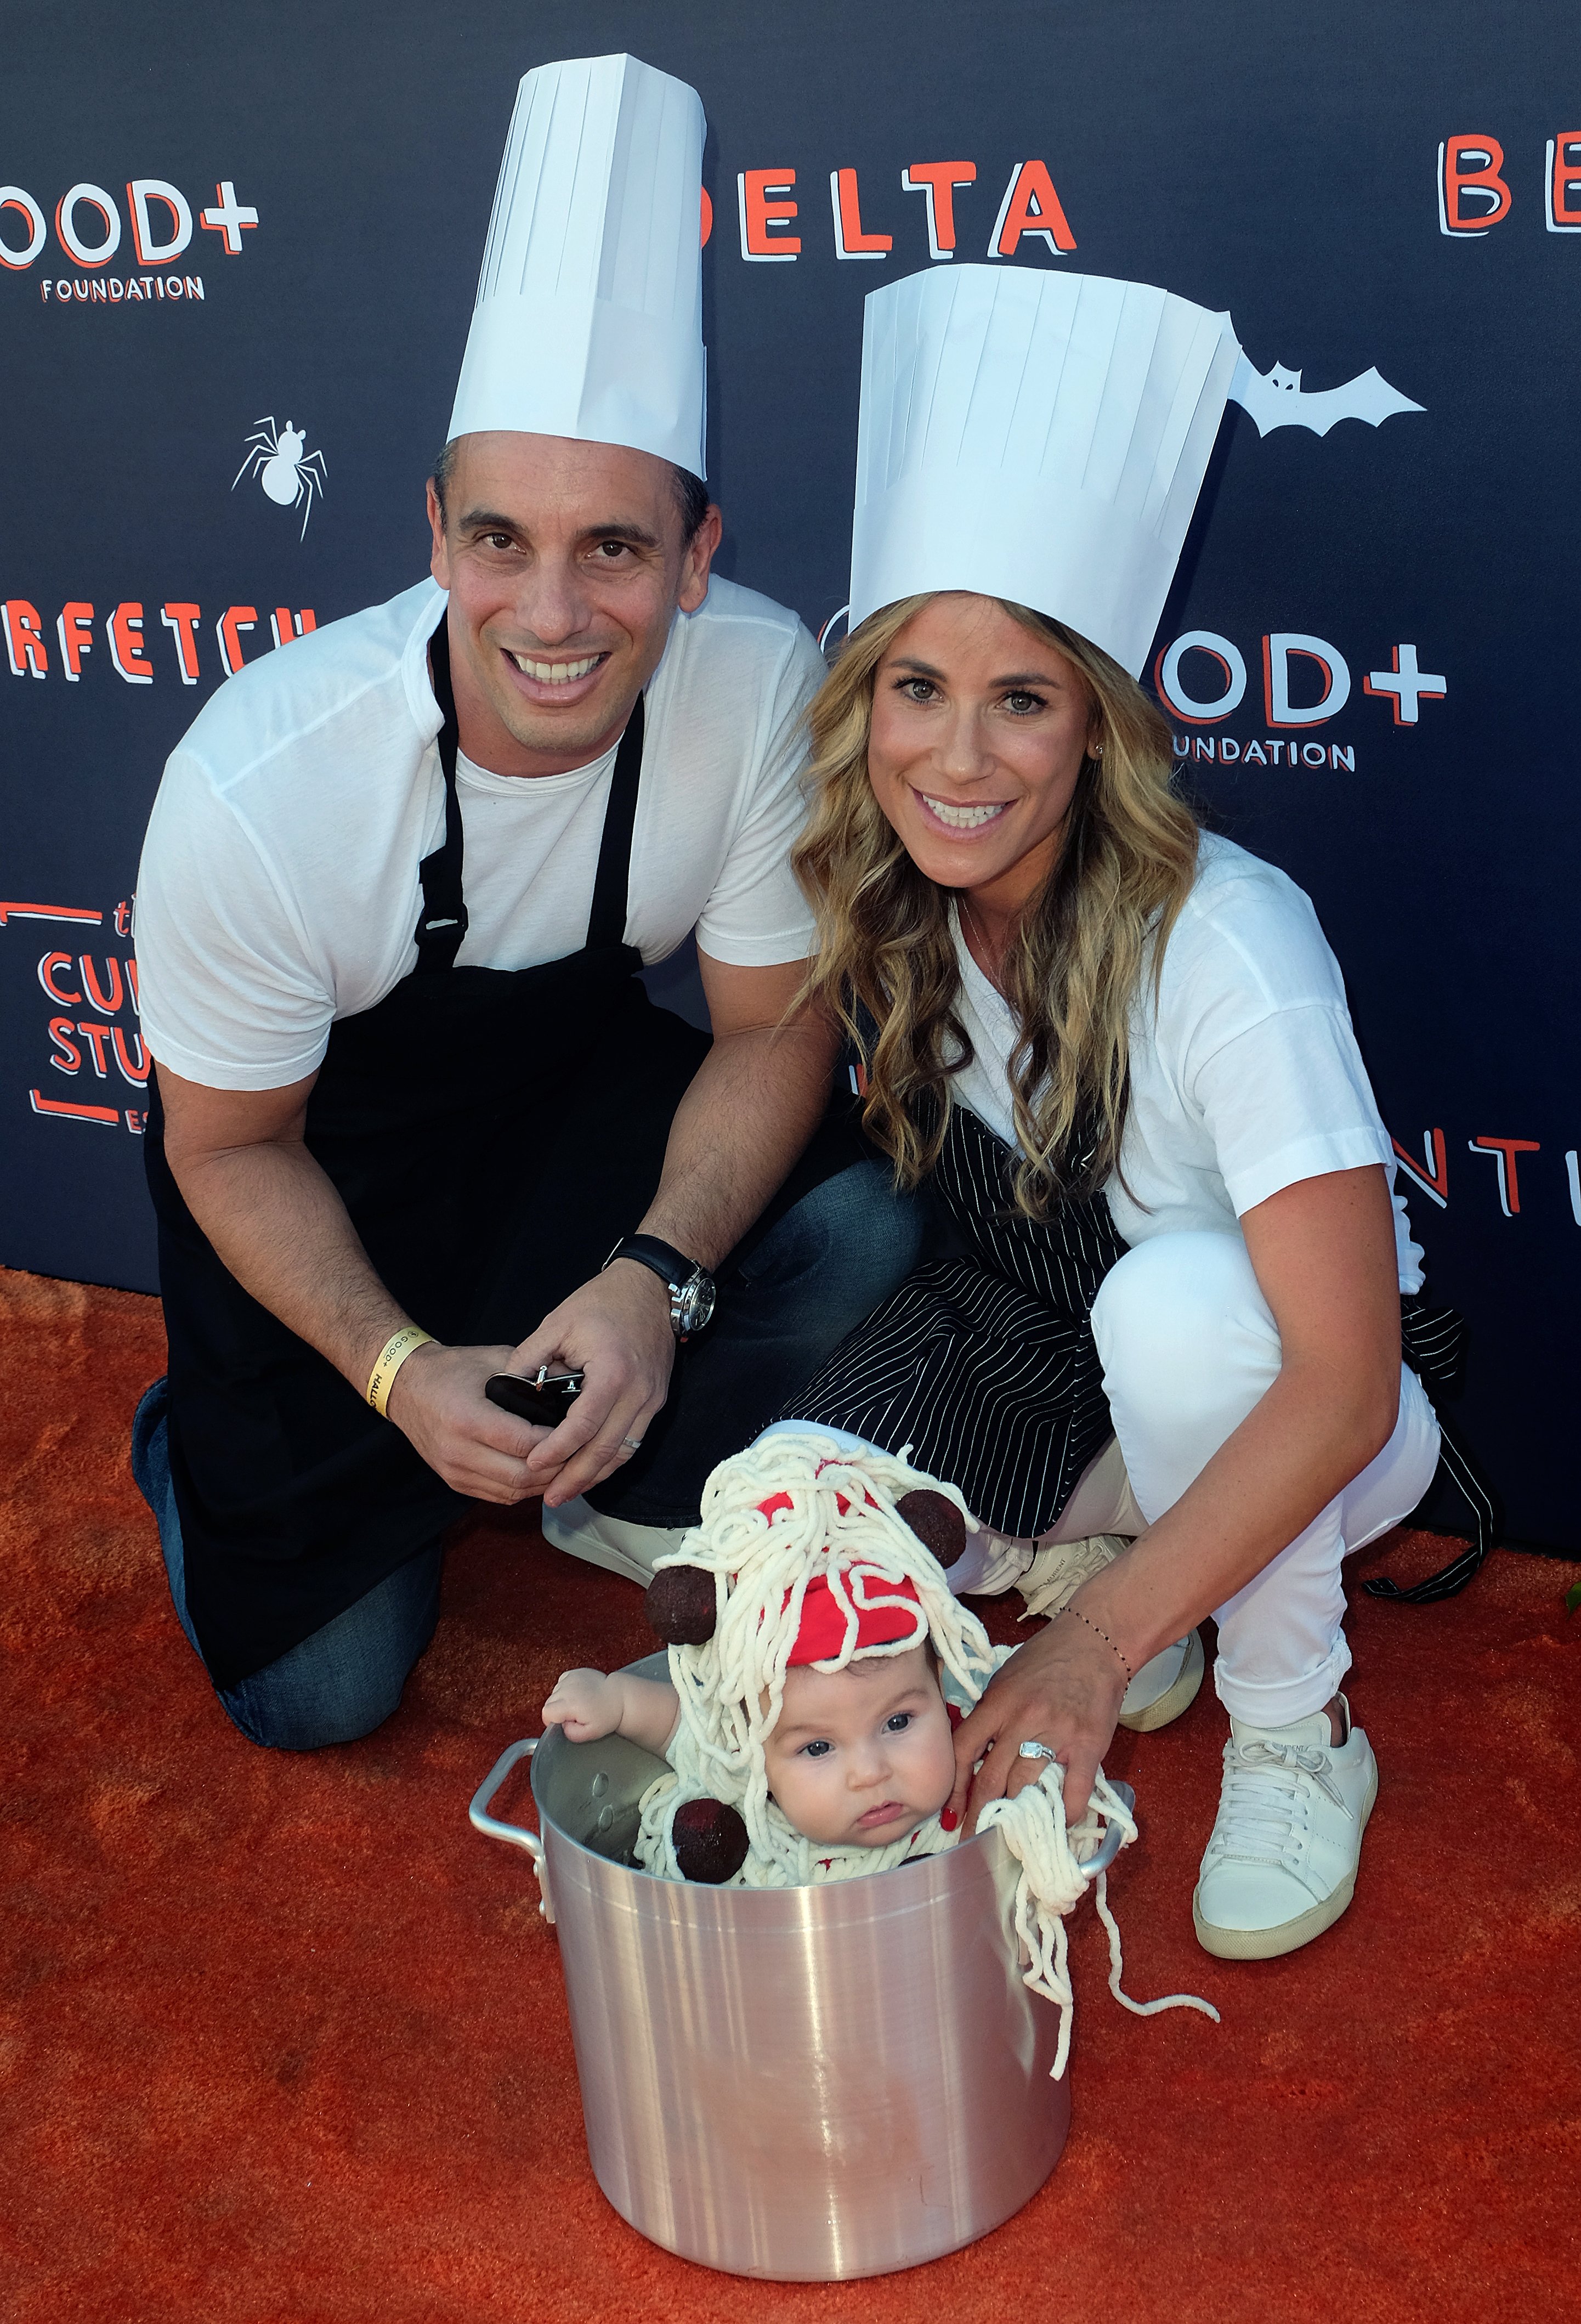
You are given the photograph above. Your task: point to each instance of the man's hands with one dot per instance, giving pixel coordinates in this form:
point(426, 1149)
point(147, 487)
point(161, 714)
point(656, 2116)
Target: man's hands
point(1063, 1688)
point(437, 1402)
point(616, 1330)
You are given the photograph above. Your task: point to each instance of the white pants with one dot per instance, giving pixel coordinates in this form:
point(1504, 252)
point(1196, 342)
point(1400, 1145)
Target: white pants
point(1187, 1346)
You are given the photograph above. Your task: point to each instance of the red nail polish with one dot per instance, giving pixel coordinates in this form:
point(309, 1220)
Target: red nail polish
point(948, 1820)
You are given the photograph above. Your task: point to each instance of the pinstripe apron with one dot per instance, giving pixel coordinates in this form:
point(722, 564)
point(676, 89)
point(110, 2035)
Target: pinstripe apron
point(984, 1362)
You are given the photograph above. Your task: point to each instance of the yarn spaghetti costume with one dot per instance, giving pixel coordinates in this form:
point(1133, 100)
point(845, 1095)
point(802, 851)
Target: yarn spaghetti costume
point(804, 1543)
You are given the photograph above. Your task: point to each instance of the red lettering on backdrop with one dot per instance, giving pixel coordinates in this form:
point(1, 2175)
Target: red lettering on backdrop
point(1031, 206)
point(24, 640)
point(850, 241)
point(74, 628)
point(1486, 156)
point(69, 1060)
point(707, 213)
point(759, 213)
point(938, 181)
point(95, 1035)
point(127, 650)
point(1503, 1151)
point(1431, 1173)
point(137, 1074)
point(1562, 175)
point(51, 962)
point(183, 621)
point(96, 997)
point(232, 622)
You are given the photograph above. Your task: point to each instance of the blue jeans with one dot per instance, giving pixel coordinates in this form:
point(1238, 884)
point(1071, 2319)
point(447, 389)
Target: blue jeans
point(784, 1306)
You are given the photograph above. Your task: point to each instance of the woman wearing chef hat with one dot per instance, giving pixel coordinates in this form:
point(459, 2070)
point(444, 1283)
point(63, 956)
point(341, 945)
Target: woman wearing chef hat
point(1120, 1050)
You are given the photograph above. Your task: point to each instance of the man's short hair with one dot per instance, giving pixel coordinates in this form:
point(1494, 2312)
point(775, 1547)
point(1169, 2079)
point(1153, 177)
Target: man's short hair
point(691, 492)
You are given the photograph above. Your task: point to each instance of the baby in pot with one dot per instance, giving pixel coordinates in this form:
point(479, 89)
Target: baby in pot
point(819, 1661)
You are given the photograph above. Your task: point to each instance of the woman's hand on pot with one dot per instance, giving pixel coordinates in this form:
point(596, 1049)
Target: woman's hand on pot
point(1063, 1689)
point(616, 1332)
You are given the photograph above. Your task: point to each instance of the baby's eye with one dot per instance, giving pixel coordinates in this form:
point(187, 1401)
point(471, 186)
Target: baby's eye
point(900, 1723)
point(815, 1750)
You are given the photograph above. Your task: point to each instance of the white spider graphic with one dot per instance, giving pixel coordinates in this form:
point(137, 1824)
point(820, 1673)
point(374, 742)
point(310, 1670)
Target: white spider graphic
point(275, 456)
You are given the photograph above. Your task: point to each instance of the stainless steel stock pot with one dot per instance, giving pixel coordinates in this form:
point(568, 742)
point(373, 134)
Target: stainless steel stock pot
point(803, 2083)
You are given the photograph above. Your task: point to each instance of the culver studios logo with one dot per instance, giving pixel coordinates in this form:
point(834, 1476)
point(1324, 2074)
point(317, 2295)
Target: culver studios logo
point(89, 226)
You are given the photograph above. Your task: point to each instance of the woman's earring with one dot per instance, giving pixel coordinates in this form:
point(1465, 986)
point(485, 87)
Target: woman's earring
point(1098, 750)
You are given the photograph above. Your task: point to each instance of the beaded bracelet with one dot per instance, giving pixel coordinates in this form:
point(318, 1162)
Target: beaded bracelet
point(1104, 1635)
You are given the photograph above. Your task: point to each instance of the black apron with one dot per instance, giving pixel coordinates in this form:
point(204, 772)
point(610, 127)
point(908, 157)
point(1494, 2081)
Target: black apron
point(491, 1132)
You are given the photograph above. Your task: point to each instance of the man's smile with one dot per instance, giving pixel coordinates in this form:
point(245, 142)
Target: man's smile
point(555, 673)
point(557, 680)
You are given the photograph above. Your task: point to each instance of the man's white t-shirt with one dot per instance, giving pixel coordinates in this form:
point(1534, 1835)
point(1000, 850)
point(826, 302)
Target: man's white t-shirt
point(279, 888)
point(1245, 1079)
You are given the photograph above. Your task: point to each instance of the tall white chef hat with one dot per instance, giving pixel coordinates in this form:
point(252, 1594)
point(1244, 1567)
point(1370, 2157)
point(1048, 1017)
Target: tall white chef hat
point(1034, 436)
point(589, 316)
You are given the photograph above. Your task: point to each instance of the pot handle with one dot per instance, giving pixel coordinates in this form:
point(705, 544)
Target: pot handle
point(493, 1826)
point(1112, 1838)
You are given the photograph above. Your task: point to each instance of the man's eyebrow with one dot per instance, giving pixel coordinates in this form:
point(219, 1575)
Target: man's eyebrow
point(619, 529)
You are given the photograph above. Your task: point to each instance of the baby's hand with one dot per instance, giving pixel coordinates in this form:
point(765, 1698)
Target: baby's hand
point(585, 1703)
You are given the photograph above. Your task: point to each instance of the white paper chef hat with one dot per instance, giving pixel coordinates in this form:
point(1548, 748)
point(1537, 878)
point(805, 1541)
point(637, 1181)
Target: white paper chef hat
point(1039, 437)
point(589, 316)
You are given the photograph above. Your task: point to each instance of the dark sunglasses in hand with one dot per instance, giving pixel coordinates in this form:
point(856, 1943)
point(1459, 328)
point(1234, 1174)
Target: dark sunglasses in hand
point(545, 1399)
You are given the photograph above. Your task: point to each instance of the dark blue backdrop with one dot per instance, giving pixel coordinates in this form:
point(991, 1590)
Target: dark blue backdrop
point(1324, 173)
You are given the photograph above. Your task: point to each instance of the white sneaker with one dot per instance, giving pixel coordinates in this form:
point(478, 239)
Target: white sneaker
point(1164, 1687)
point(1059, 1569)
point(1281, 1867)
point(620, 1548)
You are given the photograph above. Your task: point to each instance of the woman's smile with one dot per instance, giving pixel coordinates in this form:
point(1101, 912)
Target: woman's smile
point(957, 816)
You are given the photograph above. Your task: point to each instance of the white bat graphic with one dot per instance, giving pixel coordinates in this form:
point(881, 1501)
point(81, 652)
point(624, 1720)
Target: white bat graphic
point(1276, 399)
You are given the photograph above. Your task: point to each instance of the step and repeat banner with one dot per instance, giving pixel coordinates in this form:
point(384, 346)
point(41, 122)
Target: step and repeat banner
point(238, 251)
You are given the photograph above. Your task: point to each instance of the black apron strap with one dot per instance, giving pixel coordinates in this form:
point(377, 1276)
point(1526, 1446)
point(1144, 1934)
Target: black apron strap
point(1434, 1345)
point(442, 921)
point(607, 921)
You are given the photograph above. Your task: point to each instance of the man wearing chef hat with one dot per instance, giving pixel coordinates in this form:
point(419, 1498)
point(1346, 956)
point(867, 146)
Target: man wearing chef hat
point(413, 1101)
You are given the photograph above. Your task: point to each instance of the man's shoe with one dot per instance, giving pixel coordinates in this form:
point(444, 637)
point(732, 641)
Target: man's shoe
point(1164, 1687)
point(1059, 1569)
point(618, 1546)
point(1281, 1866)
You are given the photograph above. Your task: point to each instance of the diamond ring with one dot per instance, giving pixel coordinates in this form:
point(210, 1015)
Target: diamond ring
point(1032, 1749)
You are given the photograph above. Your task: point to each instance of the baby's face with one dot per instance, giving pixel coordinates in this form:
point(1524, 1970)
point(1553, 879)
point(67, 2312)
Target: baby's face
point(860, 1757)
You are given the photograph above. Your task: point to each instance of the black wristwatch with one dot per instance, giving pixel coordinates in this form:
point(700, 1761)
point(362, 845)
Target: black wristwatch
point(691, 1286)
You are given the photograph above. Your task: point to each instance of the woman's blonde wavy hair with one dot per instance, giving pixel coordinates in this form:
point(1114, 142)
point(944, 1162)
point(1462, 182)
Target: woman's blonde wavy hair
point(1071, 973)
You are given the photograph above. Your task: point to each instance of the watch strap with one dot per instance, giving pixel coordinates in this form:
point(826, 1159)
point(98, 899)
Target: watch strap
point(670, 1264)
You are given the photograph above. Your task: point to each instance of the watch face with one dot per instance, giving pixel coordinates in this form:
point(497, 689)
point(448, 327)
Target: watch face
point(700, 1296)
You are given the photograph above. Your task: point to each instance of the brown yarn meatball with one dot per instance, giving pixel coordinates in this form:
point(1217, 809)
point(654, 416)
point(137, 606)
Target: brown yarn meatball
point(937, 1522)
point(710, 1840)
point(680, 1605)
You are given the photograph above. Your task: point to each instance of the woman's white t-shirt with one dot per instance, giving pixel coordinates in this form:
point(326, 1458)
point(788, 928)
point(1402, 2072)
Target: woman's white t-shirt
point(1246, 1077)
point(279, 886)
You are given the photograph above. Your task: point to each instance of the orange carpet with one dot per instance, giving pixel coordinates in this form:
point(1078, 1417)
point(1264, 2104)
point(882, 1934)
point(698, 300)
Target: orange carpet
point(283, 2041)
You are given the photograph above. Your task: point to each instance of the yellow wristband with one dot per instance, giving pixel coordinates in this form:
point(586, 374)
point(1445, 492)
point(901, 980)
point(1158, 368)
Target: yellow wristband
point(391, 1356)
